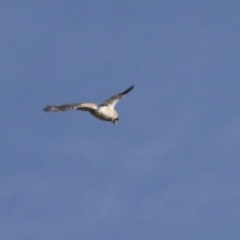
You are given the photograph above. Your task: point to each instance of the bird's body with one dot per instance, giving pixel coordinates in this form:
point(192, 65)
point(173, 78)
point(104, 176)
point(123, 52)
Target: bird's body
point(104, 111)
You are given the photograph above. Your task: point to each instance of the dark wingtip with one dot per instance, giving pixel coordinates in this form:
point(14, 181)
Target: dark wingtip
point(128, 90)
point(131, 87)
point(45, 109)
point(49, 109)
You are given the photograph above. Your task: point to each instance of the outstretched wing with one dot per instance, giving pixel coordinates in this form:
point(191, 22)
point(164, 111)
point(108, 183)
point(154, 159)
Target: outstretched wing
point(112, 101)
point(72, 106)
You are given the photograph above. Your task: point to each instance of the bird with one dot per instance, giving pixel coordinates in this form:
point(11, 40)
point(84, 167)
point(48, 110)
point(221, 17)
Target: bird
point(104, 111)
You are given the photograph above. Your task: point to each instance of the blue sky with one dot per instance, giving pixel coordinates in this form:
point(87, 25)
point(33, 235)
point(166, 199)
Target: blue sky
point(169, 169)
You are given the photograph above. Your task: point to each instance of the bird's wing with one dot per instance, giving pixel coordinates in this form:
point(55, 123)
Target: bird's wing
point(112, 101)
point(72, 106)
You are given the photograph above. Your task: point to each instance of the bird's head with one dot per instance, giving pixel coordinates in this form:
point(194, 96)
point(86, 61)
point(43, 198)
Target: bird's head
point(115, 120)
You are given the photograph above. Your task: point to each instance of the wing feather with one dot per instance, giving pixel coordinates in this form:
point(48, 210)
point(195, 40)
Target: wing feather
point(72, 106)
point(112, 101)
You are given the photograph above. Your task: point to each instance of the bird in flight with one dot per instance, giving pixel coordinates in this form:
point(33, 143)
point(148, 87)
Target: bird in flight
point(105, 111)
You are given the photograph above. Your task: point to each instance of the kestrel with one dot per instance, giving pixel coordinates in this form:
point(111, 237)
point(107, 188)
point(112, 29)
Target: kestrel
point(104, 111)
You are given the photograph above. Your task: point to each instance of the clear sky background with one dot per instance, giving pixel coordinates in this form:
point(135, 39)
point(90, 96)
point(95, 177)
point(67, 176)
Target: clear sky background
point(169, 169)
